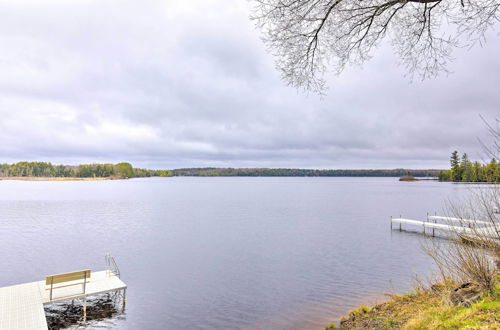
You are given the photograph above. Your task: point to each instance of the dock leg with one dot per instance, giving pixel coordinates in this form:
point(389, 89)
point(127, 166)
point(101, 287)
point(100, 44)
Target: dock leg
point(124, 299)
point(51, 286)
point(84, 309)
point(426, 220)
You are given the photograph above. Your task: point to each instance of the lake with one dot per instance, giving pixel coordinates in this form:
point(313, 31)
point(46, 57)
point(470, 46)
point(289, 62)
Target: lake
point(224, 253)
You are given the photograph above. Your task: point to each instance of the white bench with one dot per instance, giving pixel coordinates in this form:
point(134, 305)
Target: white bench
point(67, 279)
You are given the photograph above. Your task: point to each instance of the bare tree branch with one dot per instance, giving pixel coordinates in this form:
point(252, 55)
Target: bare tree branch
point(309, 37)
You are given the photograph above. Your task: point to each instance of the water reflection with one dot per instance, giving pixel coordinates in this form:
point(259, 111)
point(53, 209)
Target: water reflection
point(224, 253)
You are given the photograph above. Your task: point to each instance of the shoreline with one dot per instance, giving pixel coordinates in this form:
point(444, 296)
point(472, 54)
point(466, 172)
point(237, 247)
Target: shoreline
point(48, 178)
point(430, 307)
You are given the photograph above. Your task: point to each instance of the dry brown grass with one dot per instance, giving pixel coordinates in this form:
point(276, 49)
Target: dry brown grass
point(465, 262)
point(471, 257)
point(426, 308)
point(393, 314)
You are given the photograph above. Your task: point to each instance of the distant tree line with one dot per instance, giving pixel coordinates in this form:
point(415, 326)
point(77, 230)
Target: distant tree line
point(125, 170)
point(46, 169)
point(464, 170)
point(212, 171)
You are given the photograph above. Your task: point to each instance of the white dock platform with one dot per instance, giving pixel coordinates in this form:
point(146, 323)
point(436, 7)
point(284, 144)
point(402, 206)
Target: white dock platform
point(459, 220)
point(424, 224)
point(465, 227)
point(21, 306)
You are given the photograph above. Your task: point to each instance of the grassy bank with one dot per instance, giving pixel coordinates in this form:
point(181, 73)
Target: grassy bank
point(426, 308)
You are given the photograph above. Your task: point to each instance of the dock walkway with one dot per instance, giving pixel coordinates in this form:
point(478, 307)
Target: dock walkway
point(21, 306)
point(465, 227)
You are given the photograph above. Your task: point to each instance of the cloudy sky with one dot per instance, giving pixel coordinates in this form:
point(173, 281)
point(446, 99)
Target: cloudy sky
point(167, 84)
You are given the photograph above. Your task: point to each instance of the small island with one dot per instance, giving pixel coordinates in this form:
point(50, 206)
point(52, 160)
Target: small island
point(408, 178)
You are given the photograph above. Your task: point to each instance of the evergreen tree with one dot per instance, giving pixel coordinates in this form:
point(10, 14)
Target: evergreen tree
point(456, 171)
point(466, 169)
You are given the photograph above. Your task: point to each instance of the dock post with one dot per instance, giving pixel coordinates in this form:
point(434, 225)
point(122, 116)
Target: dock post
point(426, 220)
point(400, 216)
point(85, 309)
point(51, 286)
point(124, 299)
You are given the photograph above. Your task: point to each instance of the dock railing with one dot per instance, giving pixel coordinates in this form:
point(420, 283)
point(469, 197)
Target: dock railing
point(111, 266)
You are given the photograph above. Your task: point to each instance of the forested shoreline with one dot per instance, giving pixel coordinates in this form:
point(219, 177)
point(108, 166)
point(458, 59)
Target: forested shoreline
point(213, 171)
point(45, 169)
point(462, 169)
point(126, 170)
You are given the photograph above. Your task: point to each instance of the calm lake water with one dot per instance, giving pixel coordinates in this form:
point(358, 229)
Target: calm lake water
point(223, 253)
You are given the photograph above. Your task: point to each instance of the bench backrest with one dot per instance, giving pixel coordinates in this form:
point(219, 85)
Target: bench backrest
point(67, 277)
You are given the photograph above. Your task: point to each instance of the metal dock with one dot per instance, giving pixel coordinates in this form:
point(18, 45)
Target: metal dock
point(465, 227)
point(21, 306)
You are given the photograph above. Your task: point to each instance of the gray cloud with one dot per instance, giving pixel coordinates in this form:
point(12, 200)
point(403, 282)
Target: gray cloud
point(177, 84)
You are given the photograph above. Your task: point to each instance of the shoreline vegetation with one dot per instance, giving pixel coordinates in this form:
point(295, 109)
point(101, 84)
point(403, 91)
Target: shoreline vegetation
point(427, 308)
point(464, 170)
point(124, 170)
point(48, 171)
point(297, 172)
point(52, 178)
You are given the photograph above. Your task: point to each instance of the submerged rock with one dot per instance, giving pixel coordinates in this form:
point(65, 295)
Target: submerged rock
point(64, 315)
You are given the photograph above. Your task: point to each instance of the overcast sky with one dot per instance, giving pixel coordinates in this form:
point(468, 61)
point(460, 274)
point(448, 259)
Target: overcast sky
point(167, 84)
